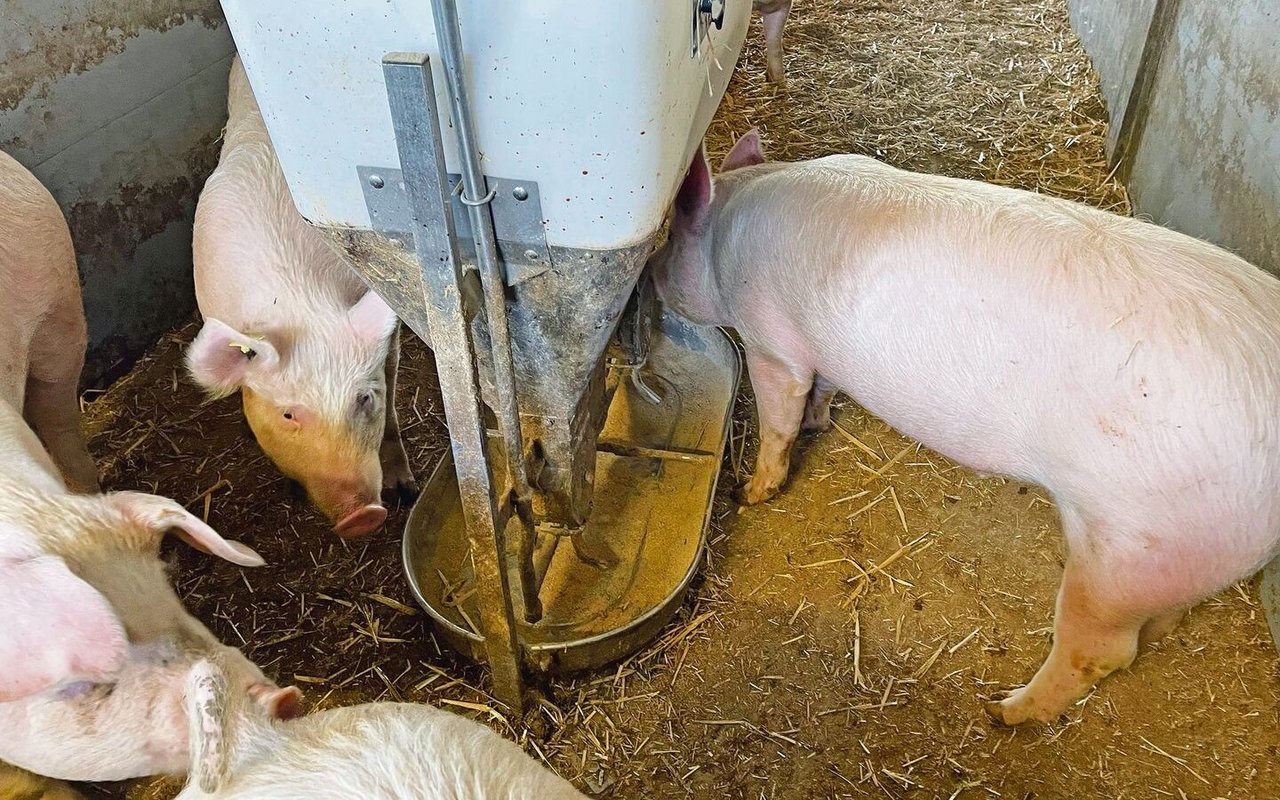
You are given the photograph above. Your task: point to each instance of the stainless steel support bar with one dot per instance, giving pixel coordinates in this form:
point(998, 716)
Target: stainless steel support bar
point(415, 116)
point(476, 196)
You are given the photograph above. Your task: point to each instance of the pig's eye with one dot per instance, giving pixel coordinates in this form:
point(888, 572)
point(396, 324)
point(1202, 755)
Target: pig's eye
point(364, 400)
point(288, 415)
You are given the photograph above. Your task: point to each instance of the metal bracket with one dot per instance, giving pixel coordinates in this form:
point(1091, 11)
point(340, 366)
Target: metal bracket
point(517, 218)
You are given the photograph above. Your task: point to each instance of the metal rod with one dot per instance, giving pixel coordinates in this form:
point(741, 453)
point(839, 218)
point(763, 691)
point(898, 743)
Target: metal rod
point(476, 196)
point(415, 117)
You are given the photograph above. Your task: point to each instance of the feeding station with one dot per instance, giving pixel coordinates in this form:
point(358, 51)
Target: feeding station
point(499, 172)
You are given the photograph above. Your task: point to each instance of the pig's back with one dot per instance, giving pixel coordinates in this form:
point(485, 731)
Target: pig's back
point(1110, 360)
point(258, 264)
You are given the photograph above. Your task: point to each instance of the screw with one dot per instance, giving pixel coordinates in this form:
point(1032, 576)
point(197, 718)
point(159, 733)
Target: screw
point(532, 255)
point(520, 193)
point(376, 181)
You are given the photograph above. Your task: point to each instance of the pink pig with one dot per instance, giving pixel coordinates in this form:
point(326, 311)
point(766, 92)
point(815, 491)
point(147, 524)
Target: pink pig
point(773, 15)
point(1130, 370)
point(289, 325)
point(375, 751)
point(93, 641)
point(42, 330)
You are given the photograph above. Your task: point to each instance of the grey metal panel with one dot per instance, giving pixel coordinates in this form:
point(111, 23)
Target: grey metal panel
point(1208, 163)
point(117, 106)
point(1113, 33)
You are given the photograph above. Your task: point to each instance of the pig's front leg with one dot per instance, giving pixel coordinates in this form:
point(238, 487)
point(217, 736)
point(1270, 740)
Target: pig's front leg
point(817, 408)
point(780, 403)
point(397, 475)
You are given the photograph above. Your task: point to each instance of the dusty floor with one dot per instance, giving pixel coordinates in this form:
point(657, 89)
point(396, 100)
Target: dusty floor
point(790, 673)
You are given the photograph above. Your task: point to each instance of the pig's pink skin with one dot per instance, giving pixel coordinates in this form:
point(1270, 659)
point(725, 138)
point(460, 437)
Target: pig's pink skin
point(773, 16)
point(290, 325)
point(1128, 369)
point(130, 722)
point(42, 329)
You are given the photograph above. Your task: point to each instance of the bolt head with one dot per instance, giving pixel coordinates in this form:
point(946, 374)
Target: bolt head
point(520, 193)
point(376, 181)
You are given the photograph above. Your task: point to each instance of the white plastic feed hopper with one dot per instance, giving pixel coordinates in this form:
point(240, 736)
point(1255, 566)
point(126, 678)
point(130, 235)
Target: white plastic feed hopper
point(499, 171)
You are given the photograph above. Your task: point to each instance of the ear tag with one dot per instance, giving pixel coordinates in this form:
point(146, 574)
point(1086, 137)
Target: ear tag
point(243, 348)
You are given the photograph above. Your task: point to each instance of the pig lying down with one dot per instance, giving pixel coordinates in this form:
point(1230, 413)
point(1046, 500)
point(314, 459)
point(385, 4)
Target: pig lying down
point(290, 326)
point(377, 751)
point(1132, 371)
point(94, 643)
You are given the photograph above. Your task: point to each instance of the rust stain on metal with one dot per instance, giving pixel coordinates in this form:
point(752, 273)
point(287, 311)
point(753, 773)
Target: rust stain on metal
point(100, 29)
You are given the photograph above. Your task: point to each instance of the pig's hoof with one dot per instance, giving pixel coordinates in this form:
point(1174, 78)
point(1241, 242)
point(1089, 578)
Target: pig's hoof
point(749, 494)
point(816, 424)
point(398, 482)
point(403, 488)
point(1016, 709)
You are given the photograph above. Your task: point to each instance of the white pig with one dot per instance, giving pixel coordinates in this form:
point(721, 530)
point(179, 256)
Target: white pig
point(42, 330)
point(1130, 370)
point(773, 15)
point(376, 751)
point(289, 325)
point(95, 644)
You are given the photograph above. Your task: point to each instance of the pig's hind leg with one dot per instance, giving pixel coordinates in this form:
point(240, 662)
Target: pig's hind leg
point(1112, 597)
point(781, 397)
point(817, 407)
point(52, 403)
point(397, 475)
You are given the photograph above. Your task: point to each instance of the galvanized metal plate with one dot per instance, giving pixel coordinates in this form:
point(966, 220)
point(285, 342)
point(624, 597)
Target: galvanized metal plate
point(654, 482)
point(1270, 592)
point(517, 219)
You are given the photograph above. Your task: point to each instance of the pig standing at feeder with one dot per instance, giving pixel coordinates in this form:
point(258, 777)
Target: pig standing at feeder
point(289, 325)
point(1128, 369)
point(93, 641)
point(376, 751)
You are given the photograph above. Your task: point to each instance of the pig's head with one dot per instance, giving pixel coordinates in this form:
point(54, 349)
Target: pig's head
point(682, 268)
point(116, 643)
point(316, 401)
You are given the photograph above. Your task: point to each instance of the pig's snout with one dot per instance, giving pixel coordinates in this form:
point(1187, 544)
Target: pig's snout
point(361, 522)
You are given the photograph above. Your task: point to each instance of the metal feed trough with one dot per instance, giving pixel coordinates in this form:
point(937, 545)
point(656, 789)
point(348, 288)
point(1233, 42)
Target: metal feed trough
point(499, 171)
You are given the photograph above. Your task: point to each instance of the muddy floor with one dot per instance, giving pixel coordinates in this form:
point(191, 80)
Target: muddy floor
point(840, 640)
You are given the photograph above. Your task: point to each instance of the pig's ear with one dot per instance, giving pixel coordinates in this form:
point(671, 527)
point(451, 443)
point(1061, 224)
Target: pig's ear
point(277, 703)
point(55, 627)
point(693, 201)
point(157, 515)
point(221, 357)
point(211, 721)
point(372, 318)
point(746, 153)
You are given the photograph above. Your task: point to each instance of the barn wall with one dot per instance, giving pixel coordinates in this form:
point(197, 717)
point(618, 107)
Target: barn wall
point(1208, 161)
point(117, 105)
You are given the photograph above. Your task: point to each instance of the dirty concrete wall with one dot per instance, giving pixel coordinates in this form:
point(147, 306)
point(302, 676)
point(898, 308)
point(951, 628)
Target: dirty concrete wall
point(117, 105)
point(1208, 160)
